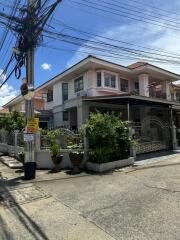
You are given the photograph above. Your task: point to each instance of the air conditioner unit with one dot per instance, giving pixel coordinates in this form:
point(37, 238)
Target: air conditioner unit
point(81, 94)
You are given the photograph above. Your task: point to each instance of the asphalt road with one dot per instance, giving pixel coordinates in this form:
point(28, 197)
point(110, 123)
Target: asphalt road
point(142, 204)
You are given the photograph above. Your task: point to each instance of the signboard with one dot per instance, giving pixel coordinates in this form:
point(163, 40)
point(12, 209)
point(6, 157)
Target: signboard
point(28, 137)
point(33, 125)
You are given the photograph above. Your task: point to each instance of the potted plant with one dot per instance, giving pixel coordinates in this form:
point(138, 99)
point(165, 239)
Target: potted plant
point(76, 156)
point(53, 137)
point(56, 157)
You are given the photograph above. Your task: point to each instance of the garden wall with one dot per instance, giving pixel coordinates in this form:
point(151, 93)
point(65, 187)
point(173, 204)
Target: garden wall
point(43, 157)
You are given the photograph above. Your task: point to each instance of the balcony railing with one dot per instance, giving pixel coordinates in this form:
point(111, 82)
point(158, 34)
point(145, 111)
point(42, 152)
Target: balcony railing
point(160, 95)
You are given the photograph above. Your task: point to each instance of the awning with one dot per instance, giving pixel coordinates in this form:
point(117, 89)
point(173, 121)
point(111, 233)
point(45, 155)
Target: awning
point(132, 99)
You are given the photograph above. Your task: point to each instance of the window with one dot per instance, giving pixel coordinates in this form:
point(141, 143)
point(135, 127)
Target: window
point(109, 80)
point(136, 86)
point(49, 95)
point(78, 84)
point(99, 79)
point(64, 92)
point(124, 85)
point(65, 115)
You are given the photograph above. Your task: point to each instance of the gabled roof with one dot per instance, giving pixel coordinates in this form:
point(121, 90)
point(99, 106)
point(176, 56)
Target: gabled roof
point(136, 65)
point(145, 65)
point(138, 68)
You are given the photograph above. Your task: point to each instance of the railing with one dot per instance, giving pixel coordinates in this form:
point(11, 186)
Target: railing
point(3, 136)
point(64, 140)
point(159, 95)
point(11, 139)
point(152, 94)
point(20, 140)
point(45, 142)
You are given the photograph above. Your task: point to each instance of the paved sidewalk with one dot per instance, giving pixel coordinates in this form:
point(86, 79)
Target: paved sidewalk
point(27, 212)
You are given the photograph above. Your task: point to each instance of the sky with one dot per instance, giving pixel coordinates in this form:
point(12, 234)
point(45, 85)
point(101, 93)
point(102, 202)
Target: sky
point(51, 61)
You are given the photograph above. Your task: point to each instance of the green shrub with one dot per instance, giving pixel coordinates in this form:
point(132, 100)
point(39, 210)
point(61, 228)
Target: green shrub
point(104, 155)
point(108, 137)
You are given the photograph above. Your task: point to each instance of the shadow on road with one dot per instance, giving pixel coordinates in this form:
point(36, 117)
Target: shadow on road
point(4, 232)
point(30, 225)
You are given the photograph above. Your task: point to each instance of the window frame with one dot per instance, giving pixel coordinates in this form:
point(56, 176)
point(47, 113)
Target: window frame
point(76, 90)
point(121, 79)
point(101, 80)
point(50, 95)
point(103, 85)
point(110, 80)
point(63, 100)
point(67, 116)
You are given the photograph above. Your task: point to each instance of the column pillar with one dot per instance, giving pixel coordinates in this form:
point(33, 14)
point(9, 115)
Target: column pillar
point(144, 85)
point(82, 113)
point(168, 93)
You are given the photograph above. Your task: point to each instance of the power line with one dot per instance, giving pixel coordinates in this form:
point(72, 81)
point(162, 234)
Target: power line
point(127, 15)
point(88, 33)
point(143, 12)
point(149, 8)
point(109, 56)
point(153, 6)
point(8, 77)
point(106, 46)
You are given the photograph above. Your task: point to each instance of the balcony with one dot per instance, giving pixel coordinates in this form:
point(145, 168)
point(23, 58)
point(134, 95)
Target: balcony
point(157, 94)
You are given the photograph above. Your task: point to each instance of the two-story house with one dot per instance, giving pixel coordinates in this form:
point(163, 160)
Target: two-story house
point(18, 104)
point(142, 93)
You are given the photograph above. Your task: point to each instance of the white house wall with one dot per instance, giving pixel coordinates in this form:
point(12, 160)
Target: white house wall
point(57, 94)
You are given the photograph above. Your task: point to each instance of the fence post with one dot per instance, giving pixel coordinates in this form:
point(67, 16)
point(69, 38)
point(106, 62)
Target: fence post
point(86, 148)
point(37, 141)
point(174, 140)
point(16, 132)
point(132, 147)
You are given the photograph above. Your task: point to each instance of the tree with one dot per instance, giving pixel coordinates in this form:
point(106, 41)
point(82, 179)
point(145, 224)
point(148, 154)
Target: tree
point(13, 121)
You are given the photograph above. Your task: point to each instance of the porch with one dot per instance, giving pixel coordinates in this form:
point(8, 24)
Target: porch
point(152, 121)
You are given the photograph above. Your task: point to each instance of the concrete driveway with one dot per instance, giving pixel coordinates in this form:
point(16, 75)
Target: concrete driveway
point(140, 204)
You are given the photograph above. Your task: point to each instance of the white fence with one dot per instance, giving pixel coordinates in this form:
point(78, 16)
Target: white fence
point(42, 156)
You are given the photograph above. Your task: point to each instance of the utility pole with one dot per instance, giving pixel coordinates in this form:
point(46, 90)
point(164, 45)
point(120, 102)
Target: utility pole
point(30, 164)
point(29, 29)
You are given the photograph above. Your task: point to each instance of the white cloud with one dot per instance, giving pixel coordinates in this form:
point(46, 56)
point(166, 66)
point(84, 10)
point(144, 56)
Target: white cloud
point(141, 34)
point(7, 93)
point(46, 66)
point(2, 76)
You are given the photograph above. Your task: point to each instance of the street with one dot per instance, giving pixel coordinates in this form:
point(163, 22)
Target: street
point(136, 203)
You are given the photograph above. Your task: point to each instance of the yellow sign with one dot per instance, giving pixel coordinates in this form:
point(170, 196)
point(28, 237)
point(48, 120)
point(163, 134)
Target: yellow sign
point(33, 125)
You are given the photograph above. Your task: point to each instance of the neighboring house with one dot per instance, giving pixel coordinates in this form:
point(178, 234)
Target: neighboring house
point(142, 93)
point(45, 117)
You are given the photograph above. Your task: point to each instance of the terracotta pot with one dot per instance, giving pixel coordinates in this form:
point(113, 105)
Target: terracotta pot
point(76, 159)
point(57, 161)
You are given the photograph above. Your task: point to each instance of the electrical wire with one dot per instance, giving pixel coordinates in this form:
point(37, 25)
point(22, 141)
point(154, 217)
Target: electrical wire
point(106, 46)
point(119, 13)
point(8, 77)
point(88, 33)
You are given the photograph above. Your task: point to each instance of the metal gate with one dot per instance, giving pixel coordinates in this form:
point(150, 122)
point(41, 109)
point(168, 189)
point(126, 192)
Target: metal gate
point(152, 134)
